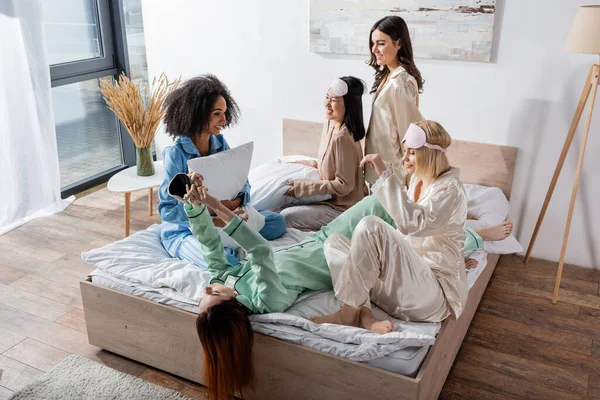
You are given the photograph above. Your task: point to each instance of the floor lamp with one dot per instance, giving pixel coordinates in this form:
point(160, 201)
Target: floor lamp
point(583, 38)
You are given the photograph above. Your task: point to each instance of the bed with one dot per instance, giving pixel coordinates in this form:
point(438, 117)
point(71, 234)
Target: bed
point(164, 337)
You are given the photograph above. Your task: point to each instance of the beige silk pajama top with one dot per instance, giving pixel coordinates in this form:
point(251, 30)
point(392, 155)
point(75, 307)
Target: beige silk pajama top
point(339, 158)
point(435, 226)
point(394, 108)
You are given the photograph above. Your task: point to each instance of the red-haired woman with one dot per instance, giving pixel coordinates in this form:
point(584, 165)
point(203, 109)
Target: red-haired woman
point(269, 280)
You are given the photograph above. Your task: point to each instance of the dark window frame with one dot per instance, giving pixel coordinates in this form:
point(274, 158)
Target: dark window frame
point(66, 72)
point(113, 62)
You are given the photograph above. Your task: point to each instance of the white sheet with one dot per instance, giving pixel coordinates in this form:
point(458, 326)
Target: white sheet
point(353, 343)
point(140, 260)
point(294, 326)
point(405, 361)
point(139, 265)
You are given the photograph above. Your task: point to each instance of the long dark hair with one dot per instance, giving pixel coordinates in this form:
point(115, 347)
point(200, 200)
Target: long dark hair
point(188, 108)
point(227, 338)
point(395, 27)
point(353, 118)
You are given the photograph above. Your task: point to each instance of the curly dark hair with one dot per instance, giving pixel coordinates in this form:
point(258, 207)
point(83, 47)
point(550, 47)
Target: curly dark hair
point(188, 108)
point(395, 27)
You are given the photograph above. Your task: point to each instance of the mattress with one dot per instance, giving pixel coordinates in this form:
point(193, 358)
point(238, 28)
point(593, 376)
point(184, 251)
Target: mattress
point(140, 266)
point(406, 361)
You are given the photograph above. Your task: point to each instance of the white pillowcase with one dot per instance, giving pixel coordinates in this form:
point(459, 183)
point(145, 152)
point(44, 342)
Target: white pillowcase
point(268, 184)
point(295, 158)
point(490, 206)
point(224, 173)
point(255, 220)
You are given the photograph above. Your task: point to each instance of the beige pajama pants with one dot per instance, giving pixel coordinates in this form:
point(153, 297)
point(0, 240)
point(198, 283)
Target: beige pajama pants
point(380, 265)
point(310, 217)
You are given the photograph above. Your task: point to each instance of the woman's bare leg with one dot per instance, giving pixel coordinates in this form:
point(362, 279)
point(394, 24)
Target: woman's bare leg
point(496, 232)
point(368, 321)
point(347, 315)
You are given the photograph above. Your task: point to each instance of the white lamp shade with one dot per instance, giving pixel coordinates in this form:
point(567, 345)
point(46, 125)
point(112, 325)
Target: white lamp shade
point(585, 33)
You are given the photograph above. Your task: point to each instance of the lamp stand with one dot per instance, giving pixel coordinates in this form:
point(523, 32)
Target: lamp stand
point(591, 86)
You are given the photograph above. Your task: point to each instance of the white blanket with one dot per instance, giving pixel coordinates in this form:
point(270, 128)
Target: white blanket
point(139, 261)
point(353, 343)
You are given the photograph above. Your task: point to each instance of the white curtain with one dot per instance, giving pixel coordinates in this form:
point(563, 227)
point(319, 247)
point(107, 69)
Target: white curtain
point(29, 172)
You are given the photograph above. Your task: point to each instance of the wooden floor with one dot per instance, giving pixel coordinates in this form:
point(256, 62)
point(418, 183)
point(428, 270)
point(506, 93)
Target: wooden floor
point(519, 344)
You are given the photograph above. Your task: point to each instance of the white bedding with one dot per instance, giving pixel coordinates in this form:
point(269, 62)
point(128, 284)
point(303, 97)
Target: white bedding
point(353, 343)
point(139, 265)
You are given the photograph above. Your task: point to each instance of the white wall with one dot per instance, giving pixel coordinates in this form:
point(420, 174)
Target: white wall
point(525, 98)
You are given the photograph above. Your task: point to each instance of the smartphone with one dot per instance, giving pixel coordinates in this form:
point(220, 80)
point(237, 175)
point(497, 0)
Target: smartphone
point(178, 184)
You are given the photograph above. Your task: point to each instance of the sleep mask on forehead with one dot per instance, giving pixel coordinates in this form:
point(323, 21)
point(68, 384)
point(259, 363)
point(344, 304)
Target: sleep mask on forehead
point(339, 87)
point(416, 138)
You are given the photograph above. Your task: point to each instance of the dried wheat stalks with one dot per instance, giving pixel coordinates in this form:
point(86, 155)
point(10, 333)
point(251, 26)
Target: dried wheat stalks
point(127, 100)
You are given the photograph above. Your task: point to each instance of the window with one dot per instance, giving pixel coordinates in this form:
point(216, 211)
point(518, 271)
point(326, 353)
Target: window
point(88, 40)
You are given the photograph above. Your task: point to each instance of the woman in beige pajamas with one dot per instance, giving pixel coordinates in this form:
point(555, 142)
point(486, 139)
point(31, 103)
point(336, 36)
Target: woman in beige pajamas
point(416, 272)
point(339, 156)
point(395, 91)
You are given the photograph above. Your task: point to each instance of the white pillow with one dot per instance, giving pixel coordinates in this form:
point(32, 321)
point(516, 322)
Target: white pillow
point(295, 158)
point(268, 184)
point(255, 220)
point(509, 245)
point(490, 206)
point(224, 173)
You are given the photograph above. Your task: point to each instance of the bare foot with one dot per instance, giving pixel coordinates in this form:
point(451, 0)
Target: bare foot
point(471, 263)
point(496, 232)
point(371, 323)
point(345, 316)
point(382, 327)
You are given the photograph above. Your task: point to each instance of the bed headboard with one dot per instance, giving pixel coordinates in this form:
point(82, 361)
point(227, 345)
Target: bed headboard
point(479, 163)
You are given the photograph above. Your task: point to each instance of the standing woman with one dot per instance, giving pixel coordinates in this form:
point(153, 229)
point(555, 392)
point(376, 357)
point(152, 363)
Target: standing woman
point(396, 90)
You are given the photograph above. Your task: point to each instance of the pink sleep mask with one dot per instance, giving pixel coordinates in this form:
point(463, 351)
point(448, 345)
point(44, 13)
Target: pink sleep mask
point(416, 138)
point(339, 87)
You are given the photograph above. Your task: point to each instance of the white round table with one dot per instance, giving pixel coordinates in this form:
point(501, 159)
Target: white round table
point(128, 181)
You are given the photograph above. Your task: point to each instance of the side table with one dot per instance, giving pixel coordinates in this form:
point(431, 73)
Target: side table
point(128, 181)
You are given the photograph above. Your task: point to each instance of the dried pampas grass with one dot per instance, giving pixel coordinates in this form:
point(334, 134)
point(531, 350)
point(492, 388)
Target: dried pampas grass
point(127, 100)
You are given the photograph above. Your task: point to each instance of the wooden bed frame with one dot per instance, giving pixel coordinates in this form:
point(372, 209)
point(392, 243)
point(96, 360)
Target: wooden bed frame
point(164, 337)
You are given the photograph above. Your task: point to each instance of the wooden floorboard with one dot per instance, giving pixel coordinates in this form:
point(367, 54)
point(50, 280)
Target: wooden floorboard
point(15, 374)
point(5, 393)
point(36, 354)
point(518, 346)
point(9, 275)
point(75, 319)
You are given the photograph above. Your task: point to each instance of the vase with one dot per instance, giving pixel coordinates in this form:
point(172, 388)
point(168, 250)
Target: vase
point(144, 162)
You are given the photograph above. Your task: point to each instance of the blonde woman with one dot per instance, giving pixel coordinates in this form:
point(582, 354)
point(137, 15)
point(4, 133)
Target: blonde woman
point(415, 272)
point(398, 83)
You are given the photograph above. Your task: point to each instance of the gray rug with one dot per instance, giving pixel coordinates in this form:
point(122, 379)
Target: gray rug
point(77, 377)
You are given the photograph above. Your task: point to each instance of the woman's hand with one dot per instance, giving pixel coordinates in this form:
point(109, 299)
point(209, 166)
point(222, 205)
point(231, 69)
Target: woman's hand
point(376, 162)
point(242, 214)
point(471, 263)
point(199, 195)
point(290, 191)
point(195, 178)
point(310, 163)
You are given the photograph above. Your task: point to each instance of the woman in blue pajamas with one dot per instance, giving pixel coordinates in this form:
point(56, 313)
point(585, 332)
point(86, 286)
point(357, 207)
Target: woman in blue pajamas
point(195, 114)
